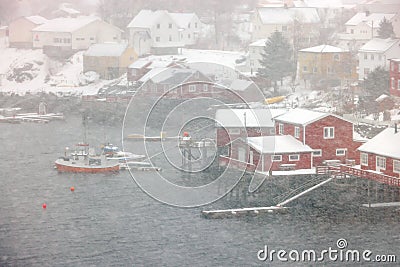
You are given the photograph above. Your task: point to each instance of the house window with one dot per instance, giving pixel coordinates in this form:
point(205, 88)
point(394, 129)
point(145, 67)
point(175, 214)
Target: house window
point(336, 57)
point(315, 69)
point(205, 87)
point(280, 131)
point(381, 163)
point(158, 26)
point(189, 26)
point(192, 88)
point(276, 158)
point(352, 31)
point(392, 83)
point(364, 159)
point(189, 36)
point(157, 39)
point(372, 57)
point(396, 166)
point(234, 131)
point(195, 25)
point(329, 132)
point(295, 157)
point(297, 132)
point(284, 28)
point(272, 131)
point(91, 38)
point(365, 56)
point(305, 69)
point(340, 151)
point(170, 25)
point(170, 38)
point(317, 153)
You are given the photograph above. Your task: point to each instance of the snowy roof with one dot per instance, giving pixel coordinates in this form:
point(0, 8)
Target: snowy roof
point(140, 63)
point(172, 76)
point(241, 85)
point(65, 24)
point(277, 15)
point(38, 20)
point(374, 18)
point(146, 18)
point(378, 45)
point(385, 144)
point(254, 117)
point(106, 50)
point(381, 98)
point(323, 49)
point(301, 116)
point(395, 59)
point(277, 144)
point(320, 3)
point(260, 42)
point(160, 64)
point(182, 19)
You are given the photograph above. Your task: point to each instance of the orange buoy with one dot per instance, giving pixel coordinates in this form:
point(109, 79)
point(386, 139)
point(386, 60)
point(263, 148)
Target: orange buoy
point(44, 206)
point(185, 134)
point(72, 189)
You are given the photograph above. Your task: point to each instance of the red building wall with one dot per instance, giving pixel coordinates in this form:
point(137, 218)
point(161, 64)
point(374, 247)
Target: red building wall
point(372, 165)
point(394, 77)
point(314, 137)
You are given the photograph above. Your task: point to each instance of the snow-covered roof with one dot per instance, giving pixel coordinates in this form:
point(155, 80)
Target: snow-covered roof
point(260, 42)
point(241, 85)
point(384, 144)
point(378, 45)
point(320, 3)
point(301, 116)
point(254, 117)
point(38, 20)
point(277, 15)
point(171, 76)
point(182, 19)
point(323, 49)
point(395, 59)
point(152, 73)
point(106, 50)
point(65, 24)
point(374, 18)
point(160, 64)
point(381, 98)
point(140, 63)
point(277, 144)
point(146, 18)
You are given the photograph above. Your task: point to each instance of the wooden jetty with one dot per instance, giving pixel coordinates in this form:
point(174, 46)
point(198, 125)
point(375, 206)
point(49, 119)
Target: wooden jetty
point(382, 205)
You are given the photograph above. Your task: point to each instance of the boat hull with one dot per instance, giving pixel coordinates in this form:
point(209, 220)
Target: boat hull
point(86, 169)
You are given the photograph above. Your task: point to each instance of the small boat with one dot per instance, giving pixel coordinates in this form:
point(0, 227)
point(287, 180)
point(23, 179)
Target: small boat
point(114, 153)
point(138, 166)
point(79, 161)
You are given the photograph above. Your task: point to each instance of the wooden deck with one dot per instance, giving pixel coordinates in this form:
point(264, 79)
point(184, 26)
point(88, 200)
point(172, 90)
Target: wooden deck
point(342, 171)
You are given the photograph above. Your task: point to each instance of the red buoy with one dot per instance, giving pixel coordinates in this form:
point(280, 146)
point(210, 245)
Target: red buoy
point(185, 134)
point(44, 206)
point(72, 189)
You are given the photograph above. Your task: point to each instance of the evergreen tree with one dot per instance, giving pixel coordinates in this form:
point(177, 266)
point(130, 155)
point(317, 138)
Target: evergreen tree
point(385, 29)
point(276, 62)
point(377, 82)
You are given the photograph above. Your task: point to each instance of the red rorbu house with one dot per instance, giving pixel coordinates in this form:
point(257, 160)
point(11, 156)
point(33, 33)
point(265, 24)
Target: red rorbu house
point(232, 124)
point(395, 77)
point(272, 153)
point(329, 135)
point(382, 153)
point(143, 65)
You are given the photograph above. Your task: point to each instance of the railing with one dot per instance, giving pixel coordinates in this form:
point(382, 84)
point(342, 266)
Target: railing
point(225, 161)
point(366, 174)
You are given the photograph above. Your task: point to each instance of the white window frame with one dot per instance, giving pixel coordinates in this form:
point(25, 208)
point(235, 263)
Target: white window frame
point(275, 158)
point(158, 39)
point(319, 154)
point(281, 128)
point(297, 132)
point(205, 87)
point(364, 159)
point(379, 160)
point(191, 86)
point(234, 131)
point(330, 135)
point(396, 166)
point(340, 150)
point(294, 155)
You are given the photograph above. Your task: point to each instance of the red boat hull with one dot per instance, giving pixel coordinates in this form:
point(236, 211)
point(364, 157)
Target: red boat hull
point(80, 169)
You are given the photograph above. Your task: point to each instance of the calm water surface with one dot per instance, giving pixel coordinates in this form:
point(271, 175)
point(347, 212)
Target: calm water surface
point(109, 221)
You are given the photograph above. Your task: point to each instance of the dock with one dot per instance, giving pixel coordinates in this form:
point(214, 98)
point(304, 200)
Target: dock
point(382, 205)
point(219, 214)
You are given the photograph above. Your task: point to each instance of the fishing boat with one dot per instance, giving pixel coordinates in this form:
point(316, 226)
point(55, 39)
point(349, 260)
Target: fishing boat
point(79, 161)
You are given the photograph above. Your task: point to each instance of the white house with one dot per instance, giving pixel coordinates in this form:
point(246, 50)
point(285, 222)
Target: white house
point(161, 32)
point(376, 53)
point(63, 36)
point(292, 22)
point(255, 54)
point(364, 26)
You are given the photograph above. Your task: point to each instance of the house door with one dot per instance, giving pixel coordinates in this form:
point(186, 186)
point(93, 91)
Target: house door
point(380, 164)
point(242, 154)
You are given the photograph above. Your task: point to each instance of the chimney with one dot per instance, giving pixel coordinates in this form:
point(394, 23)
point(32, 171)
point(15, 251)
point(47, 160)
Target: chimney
point(395, 128)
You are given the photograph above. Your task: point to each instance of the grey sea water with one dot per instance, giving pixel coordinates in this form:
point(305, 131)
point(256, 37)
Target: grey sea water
point(109, 221)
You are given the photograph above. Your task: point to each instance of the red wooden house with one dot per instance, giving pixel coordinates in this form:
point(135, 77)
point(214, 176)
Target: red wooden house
point(395, 77)
point(330, 136)
point(232, 124)
point(382, 153)
point(143, 65)
point(272, 153)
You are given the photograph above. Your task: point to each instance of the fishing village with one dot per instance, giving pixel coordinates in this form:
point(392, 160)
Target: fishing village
point(151, 133)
